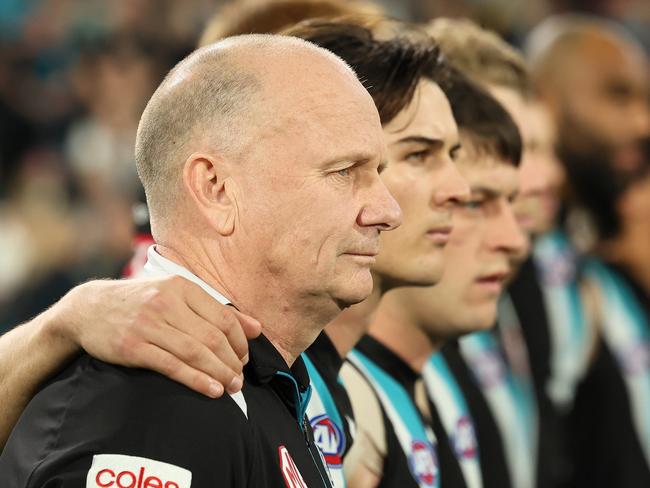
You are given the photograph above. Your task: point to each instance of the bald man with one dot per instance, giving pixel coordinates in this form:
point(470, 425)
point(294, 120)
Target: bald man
point(250, 200)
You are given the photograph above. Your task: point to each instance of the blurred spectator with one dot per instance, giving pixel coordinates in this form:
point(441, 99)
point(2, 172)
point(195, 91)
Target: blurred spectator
point(74, 78)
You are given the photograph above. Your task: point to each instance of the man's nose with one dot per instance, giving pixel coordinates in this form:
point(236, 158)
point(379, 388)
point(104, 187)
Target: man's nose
point(507, 234)
point(382, 210)
point(452, 187)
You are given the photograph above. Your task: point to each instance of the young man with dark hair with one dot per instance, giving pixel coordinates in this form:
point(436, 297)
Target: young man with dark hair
point(411, 323)
point(543, 301)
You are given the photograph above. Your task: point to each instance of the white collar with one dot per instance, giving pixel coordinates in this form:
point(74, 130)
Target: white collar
point(158, 265)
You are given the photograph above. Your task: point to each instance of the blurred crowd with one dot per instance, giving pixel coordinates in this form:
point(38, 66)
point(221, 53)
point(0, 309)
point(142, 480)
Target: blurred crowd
point(74, 78)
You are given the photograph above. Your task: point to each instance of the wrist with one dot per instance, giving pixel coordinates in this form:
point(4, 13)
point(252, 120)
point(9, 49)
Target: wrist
point(57, 328)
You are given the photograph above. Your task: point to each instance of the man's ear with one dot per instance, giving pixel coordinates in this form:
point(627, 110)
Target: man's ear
point(208, 182)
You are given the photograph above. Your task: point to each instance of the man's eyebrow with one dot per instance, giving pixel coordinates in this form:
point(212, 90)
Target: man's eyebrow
point(354, 159)
point(428, 141)
point(490, 193)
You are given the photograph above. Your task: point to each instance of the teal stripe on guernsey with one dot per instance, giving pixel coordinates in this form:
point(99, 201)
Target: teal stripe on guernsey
point(417, 439)
point(627, 332)
point(449, 401)
point(511, 402)
point(327, 425)
point(556, 263)
point(324, 393)
point(438, 362)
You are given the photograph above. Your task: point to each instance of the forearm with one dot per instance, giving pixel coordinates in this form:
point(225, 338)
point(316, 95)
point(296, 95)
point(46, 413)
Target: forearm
point(29, 354)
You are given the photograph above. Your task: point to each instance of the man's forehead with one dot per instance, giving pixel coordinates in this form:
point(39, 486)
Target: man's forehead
point(428, 116)
point(487, 172)
point(600, 56)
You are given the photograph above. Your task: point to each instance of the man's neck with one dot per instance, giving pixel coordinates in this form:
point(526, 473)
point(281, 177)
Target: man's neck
point(352, 324)
point(291, 326)
point(393, 326)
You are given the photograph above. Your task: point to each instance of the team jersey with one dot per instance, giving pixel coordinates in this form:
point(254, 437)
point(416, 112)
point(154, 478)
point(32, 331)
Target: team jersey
point(329, 410)
point(546, 298)
point(611, 417)
point(450, 414)
point(417, 454)
point(98, 425)
point(507, 389)
point(476, 437)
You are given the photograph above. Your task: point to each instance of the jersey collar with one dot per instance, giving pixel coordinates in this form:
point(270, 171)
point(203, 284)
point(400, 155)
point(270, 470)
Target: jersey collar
point(266, 364)
point(158, 265)
point(390, 362)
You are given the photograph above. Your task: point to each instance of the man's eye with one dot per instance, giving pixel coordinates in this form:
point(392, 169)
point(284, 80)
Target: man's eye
point(344, 172)
point(417, 156)
point(471, 204)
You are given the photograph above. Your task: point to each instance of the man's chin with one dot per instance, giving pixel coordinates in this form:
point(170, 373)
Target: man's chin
point(354, 291)
point(409, 276)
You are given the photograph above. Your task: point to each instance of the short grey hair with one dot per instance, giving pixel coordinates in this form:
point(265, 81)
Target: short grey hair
point(212, 100)
point(205, 95)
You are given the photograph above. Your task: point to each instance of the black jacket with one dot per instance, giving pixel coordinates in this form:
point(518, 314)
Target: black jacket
point(93, 410)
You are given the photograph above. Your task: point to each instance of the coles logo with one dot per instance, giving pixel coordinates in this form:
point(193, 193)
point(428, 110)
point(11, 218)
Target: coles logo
point(292, 477)
point(119, 471)
point(464, 438)
point(423, 463)
point(329, 439)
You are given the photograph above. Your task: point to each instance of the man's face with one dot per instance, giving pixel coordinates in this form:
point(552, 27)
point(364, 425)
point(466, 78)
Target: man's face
point(602, 100)
point(322, 206)
point(478, 256)
point(422, 144)
point(541, 176)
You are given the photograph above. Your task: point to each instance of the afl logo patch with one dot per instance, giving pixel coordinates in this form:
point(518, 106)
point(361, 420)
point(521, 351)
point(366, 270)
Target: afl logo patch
point(464, 438)
point(423, 463)
point(330, 440)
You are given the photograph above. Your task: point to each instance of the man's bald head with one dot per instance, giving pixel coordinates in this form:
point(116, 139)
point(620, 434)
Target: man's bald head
point(217, 100)
point(594, 78)
point(565, 44)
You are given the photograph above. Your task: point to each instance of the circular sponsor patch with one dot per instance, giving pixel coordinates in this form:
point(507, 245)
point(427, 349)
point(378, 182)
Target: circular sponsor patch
point(330, 440)
point(423, 463)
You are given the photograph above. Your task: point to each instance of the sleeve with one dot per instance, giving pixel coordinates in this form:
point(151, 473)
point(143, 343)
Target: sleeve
point(369, 446)
point(103, 426)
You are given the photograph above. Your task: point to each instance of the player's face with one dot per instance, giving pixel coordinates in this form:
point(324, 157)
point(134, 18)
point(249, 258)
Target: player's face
point(478, 256)
point(322, 206)
point(604, 101)
point(541, 176)
point(422, 143)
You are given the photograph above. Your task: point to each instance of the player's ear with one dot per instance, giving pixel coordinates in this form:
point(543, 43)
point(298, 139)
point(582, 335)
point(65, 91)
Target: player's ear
point(213, 191)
